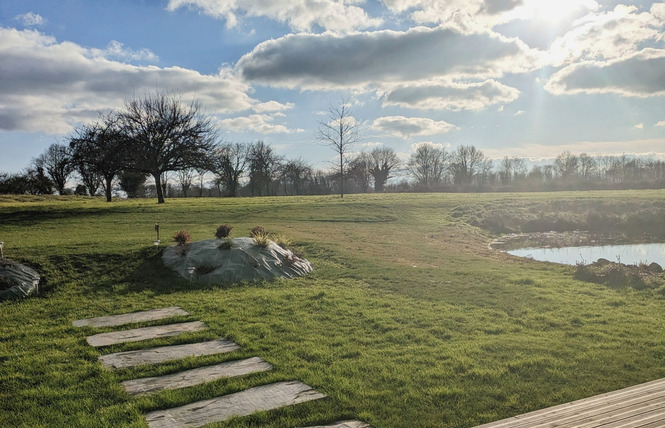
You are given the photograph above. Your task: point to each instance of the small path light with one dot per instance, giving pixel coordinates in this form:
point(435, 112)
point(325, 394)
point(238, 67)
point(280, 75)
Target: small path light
point(157, 230)
point(2, 244)
point(156, 244)
point(190, 271)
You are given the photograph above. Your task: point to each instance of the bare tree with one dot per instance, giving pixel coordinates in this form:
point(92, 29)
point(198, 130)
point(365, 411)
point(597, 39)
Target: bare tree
point(359, 171)
point(264, 165)
point(185, 178)
point(588, 166)
point(511, 168)
point(339, 131)
point(100, 148)
point(228, 163)
point(566, 165)
point(296, 173)
point(383, 162)
point(469, 163)
point(165, 135)
point(56, 161)
point(428, 164)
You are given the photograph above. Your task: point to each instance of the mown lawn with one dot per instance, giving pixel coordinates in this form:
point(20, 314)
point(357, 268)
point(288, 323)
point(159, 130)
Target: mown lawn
point(408, 320)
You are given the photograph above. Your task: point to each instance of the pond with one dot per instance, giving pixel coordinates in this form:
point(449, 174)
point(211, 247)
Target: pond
point(626, 254)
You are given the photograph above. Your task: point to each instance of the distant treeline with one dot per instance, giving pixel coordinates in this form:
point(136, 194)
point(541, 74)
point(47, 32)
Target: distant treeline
point(255, 170)
point(157, 146)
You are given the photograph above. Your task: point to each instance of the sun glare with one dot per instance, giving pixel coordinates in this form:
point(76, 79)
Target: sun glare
point(556, 11)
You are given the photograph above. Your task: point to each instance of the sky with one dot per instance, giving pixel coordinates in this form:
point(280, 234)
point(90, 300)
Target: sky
point(524, 78)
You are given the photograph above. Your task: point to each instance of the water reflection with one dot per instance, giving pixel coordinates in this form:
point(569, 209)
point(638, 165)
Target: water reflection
point(626, 254)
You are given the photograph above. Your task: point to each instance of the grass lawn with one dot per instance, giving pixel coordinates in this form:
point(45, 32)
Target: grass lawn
point(408, 319)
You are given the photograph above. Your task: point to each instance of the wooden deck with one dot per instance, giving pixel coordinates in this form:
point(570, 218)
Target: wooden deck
point(640, 406)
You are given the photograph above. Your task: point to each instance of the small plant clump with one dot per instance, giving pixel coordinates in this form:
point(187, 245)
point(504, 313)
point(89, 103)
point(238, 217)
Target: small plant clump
point(182, 238)
point(223, 231)
point(257, 230)
point(261, 240)
point(282, 240)
point(619, 275)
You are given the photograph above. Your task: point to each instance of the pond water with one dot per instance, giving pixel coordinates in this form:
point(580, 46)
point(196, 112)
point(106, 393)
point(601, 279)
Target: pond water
point(626, 254)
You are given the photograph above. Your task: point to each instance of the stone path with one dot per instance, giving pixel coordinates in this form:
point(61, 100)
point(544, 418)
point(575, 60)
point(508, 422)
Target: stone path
point(134, 317)
point(260, 398)
point(162, 354)
point(265, 397)
point(145, 333)
point(150, 385)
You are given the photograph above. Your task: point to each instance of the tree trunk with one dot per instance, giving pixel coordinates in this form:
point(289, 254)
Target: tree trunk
point(158, 187)
point(341, 174)
point(108, 182)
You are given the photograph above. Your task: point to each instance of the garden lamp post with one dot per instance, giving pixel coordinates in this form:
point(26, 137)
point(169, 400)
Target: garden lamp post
point(190, 271)
point(2, 244)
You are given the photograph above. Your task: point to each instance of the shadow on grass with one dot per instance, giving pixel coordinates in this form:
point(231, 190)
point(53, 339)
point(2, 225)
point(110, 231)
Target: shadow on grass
point(107, 274)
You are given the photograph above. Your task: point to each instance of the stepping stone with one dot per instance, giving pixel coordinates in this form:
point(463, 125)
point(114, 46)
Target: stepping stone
point(137, 334)
point(161, 354)
point(344, 424)
point(134, 317)
point(260, 398)
point(151, 385)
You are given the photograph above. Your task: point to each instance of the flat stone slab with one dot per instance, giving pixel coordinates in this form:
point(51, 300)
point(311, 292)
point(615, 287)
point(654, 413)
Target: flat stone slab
point(260, 398)
point(145, 333)
point(162, 354)
point(344, 424)
point(134, 317)
point(151, 385)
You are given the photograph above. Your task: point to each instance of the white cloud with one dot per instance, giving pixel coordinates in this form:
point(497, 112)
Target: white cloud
point(261, 123)
point(272, 106)
point(299, 15)
point(639, 126)
point(116, 50)
point(660, 124)
point(358, 60)
point(450, 95)
point(406, 127)
point(465, 15)
point(78, 82)
point(640, 75)
point(610, 35)
point(30, 19)
point(416, 146)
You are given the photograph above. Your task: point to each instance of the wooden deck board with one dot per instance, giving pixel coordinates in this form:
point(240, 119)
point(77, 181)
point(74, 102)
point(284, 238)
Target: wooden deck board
point(635, 407)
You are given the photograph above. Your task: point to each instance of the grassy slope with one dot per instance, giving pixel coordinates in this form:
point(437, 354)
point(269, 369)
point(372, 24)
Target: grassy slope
point(408, 319)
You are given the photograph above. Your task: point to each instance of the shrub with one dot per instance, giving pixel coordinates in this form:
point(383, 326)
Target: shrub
point(261, 239)
point(257, 230)
point(182, 238)
point(223, 231)
point(282, 240)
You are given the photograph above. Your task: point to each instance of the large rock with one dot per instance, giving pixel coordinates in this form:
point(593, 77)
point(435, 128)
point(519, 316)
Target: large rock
point(244, 261)
point(17, 280)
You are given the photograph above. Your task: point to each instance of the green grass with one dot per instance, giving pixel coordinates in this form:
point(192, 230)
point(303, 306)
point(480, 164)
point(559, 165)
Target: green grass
point(408, 320)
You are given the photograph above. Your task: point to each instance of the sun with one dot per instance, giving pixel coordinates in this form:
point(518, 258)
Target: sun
point(557, 11)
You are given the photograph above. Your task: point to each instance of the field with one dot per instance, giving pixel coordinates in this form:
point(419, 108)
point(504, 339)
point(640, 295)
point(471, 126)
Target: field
point(408, 319)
